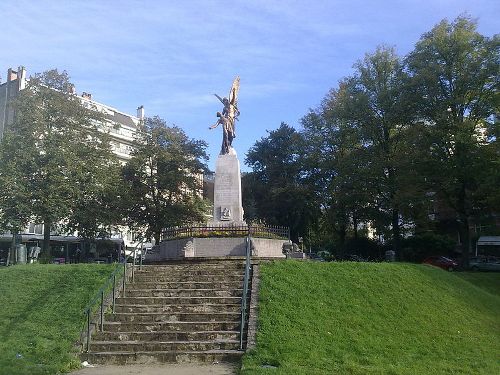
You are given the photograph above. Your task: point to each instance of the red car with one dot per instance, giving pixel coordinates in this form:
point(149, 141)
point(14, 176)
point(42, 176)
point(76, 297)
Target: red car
point(442, 262)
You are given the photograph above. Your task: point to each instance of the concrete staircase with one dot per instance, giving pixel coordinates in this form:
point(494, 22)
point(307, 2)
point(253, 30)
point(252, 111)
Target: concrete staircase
point(181, 312)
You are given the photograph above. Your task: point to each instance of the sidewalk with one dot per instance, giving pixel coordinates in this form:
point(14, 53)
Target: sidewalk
point(164, 369)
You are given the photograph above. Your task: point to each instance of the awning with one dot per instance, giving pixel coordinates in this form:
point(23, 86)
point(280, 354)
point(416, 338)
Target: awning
point(488, 241)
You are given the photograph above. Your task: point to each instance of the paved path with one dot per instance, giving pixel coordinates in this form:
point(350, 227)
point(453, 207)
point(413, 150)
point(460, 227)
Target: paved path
point(166, 369)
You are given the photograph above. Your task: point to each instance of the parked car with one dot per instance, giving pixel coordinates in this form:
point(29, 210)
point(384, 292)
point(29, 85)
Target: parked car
point(484, 263)
point(442, 262)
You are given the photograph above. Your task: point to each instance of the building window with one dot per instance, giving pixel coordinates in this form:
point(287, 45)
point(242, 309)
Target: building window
point(35, 228)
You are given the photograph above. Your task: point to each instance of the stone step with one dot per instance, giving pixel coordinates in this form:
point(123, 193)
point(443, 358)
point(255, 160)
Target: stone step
point(160, 301)
point(236, 284)
point(205, 307)
point(166, 336)
point(144, 357)
point(183, 267)
point(188, 278)
point(174, 317)
point(191, 271)
point(183, 293)
point(163, 346)
point(174, 313)
point(170, 326)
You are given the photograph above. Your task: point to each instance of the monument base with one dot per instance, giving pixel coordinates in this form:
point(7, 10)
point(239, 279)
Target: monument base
point(228, 209)
point(194, 247)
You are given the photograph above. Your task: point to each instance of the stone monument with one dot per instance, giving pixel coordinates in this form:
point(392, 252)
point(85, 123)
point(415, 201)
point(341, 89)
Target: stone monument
point(228, 209)
point(193, 242)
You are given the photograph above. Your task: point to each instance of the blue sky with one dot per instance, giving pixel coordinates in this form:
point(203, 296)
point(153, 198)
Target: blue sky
point(170, 56)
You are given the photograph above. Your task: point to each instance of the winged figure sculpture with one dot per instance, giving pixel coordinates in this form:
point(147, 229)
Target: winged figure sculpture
point(228, 117)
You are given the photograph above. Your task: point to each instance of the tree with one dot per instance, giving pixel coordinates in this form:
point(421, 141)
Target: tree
point(277, 189)
point(55, 149)
point(99, 204)
point(361, 127)
point(163, 179)
point(337, 166)
point(454, 73)
point(15, 204)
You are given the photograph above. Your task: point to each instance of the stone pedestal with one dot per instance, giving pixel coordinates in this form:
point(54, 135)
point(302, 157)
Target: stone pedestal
point(227, 191)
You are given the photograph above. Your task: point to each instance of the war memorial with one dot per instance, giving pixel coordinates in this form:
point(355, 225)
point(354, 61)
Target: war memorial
point(226, 234)
point(195, 299)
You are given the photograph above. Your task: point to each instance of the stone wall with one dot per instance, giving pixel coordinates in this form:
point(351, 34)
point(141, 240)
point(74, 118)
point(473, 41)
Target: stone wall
point(267, 248)
point(218, 247)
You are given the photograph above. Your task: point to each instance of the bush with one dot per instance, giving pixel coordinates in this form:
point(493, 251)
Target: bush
point(420, 246)
point(364, 247)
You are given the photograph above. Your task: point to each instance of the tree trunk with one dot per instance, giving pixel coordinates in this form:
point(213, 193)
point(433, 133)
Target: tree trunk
point(355, 226)
point(157, 237)
point(342, 232)
point(46, 239)
point(10, 255)
point(396, 230)
point(464, 225)
point(465, 239)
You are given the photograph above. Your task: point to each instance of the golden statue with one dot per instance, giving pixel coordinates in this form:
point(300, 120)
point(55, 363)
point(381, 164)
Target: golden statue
point(228, 117)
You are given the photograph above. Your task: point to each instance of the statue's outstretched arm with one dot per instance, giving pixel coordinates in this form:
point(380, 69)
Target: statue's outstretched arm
point(214, 125)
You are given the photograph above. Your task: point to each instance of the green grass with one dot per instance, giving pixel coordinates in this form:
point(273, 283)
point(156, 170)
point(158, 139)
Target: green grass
point(41, 315)
point(487, 281)
point(375, 318)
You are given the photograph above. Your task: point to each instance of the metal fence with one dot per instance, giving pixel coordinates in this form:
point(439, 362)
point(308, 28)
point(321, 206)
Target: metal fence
point(208, 231)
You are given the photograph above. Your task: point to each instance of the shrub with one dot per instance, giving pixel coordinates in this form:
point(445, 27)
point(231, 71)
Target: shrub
point(420, 246)
point(364, 247)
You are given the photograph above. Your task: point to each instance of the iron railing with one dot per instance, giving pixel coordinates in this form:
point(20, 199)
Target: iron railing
point(120, 270)
point(109, 285)
point(255, 230)
point(245, 291)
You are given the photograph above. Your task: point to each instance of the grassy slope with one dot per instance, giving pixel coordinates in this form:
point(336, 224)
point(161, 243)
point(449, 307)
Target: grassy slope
point(369, 318)
point(41, 314)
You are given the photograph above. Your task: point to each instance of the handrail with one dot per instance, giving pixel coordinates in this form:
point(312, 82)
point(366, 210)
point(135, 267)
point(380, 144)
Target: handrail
point(100, 296)
point(135, 256)
point(245, 290)
point(101, 293)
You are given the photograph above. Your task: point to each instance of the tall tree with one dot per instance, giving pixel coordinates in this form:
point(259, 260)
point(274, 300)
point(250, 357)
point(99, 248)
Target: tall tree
point(163, 179)
point(455, 79)
point(277, 187)
point(59, 149)
point(338, 167)
point(368, 115)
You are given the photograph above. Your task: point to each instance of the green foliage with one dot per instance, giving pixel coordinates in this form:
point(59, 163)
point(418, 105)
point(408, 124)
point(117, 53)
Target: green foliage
point(454, 79)
point(59, 162)
point(402, 145)
point(417, 248)
point(356, 136)
point(42, 315)
point(162, 180)
point(365, 247)
point(276, 192)
point(374, 318)
point(15, 207)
